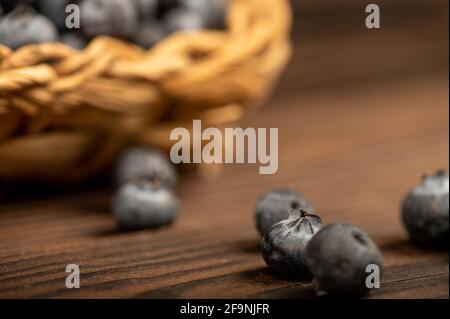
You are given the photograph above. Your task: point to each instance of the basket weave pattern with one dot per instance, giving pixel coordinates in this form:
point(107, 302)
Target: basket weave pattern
point(65, 114)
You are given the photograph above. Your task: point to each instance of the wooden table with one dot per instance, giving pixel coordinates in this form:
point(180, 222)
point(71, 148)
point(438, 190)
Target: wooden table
point(361, 117)
point(354, 153)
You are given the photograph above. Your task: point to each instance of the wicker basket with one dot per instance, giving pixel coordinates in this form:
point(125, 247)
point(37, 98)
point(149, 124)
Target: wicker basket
point(64, 114)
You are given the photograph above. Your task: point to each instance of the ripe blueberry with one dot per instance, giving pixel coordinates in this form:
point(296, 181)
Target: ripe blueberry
point(338, 256)
point(184, 19)
point(117, 18)
point(147, 8)
point(144, 204)
point(164, 6)
point(275, 206)
point(425, 211)
point(24, 26)
point(284, 247)
point(74, 40)
point(212, 11)
point(55, 10)
point(140, 162)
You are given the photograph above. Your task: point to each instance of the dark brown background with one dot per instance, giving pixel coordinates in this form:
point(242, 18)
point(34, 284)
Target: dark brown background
point(362, 115)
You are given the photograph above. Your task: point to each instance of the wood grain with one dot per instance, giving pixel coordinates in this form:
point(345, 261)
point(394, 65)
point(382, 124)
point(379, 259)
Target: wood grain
point(353, 153)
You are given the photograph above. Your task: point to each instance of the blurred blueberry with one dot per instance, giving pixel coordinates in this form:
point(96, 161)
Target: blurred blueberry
point(150, 32)
point(184, 19)
point(218, 14)
point(425, 211)
point(212, 11)
point(141, 162)
point(165, 6)
point(24, 26)
point(144, 204)
point(74, 40)
point(147, 8)
point(55, 10)
point(117, 18)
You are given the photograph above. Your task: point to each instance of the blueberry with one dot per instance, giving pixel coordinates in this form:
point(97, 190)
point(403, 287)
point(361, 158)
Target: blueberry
point(275, 206)
point(117, 18)
point(425, 211)
point(24, 26)
point(150, 33)
point(284, 247)
point(212, 11)
point(164, 6)
point(217, 15)
point(74, 40)
point(143, 204)
point(184, 19)
point(56, 10)
point(141, 162)
point(147, 8)
point(338, 256)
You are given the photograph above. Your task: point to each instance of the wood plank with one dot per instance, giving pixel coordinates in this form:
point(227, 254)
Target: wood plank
point(353, 152)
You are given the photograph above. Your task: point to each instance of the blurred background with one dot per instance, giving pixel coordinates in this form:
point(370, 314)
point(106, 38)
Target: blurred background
point(333, 49)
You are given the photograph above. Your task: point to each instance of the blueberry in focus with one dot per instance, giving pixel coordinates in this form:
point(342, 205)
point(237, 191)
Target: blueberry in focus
point(116, 18)
point(338, 256)
point(275, 206)
point(284, 247)
point(141, 162)
point(425, 211)
point(24, 26)
point(144, 204)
